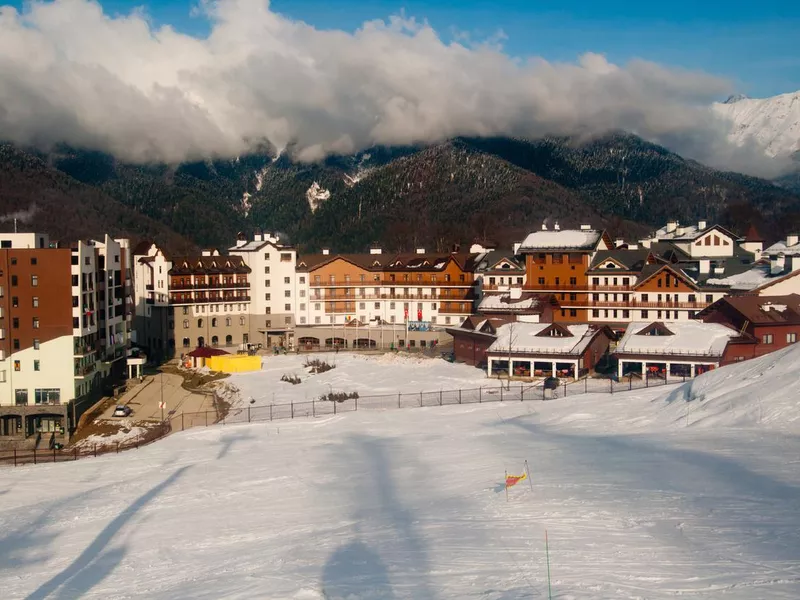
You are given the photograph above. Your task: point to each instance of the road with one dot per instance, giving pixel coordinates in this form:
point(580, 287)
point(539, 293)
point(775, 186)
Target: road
point(144, 398)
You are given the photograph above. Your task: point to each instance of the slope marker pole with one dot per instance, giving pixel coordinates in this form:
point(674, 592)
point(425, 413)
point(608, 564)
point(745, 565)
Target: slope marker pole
point(547, 553)
point(528, 471)
point(505, 483)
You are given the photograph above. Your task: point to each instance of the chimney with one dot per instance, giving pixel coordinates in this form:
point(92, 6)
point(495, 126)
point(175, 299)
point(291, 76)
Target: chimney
point(375, 251)
point(705, 266)
point(326, 251)
point(517, 246)
point(420, 250)
point(794, 262)
point(792, 239)
point(633, 246)
point(680, 231)
point(777, 264)
point(259, 237)
point(719, 270)
point(701, 225)
point(618, 242)
point(515, 293)
point(557, 227)
point(671, 226)
point(456, 248)
point(544, 225)
point(240, 243)
point(585, 227)
point(241, 239)
point(644, 243)
point(206, 253)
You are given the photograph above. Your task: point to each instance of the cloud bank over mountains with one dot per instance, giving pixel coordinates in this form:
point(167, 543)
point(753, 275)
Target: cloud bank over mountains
point(70, 73)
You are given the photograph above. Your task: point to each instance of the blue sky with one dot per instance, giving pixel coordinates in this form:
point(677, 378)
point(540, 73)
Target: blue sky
point(755, 44)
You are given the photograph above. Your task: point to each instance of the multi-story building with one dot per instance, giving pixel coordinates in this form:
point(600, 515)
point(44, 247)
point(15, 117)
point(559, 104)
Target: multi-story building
point(275, 295)
point(191, 301)
point(58, 306)
point(421, 292)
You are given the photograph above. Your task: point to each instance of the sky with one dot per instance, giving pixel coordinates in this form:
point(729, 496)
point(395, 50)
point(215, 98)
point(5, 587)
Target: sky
point(754, 44)
point(173, 80)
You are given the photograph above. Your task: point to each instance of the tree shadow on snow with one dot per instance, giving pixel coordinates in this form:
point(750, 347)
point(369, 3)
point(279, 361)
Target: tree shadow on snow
point(229, 440)
point(96, 562)
point(355, 571)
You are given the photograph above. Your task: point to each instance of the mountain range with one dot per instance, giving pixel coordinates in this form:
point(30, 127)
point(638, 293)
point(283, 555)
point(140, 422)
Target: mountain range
point(457, 191)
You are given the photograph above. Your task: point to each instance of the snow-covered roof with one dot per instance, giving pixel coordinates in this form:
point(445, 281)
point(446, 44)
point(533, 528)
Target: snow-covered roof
point(504, 302)
point(782, 248)
point(563, 239)
point(688, 338)
point(748, 280)
point(525, 339)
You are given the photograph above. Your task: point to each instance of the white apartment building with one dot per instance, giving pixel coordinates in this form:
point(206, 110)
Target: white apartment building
point(276, 296)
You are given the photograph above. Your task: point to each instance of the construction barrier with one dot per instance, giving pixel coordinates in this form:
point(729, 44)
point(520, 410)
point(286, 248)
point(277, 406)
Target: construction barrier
point(234, 363)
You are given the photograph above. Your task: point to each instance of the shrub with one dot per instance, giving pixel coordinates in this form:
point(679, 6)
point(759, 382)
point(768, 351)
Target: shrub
point(316, 365)
point(339, 396)
point(293, 379)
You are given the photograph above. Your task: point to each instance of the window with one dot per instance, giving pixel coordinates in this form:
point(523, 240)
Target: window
point(303, 293)
point(227, 321)
point(317, 320)
point(302, 320)
point(573, 281)
point(709, 298)
point(302, 280)
point(266, 283)
point(287, 280)
point(186, 310)
point(199, 322)
point(15, 323)
point(34, 280)
point(268, 323)
point(377, 306)
point(13, 281)
point(186, 323)
point(186, 342)
point(20, 396)
point(668, 280)
point(791, 338)
point(36, 322)
point(286, 257)
point(317, 306)
point(36, 343)
point(214, 322)
point(644, 314)
point(541, 280)
point(266, 256)
point(766, 338)
point(645, 297)
point(573, 312)
point(287, 320)
point(16, 365)
point(36, 365)
point(595, 313)
point(287, 294)
point(287, 307)
point(214, 340)
point(267, 297)
point(362, 305)
point(33, 260)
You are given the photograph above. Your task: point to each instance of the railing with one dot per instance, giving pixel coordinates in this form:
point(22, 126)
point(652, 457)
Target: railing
point(149, 287)
point(344, 297)
point(389, 282)
point(208, 300)
point(85, 370)
point(209, 286)
point(609, 288)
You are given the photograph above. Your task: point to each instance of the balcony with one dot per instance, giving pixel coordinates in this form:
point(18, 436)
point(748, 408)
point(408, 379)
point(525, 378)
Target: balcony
point(412, 297)
point(209, 286)
point(81, 372)
point(208, 300)
point(631, 304)
point(149, 287)
point(610, 288)
point(84, 349)
point(456, 309)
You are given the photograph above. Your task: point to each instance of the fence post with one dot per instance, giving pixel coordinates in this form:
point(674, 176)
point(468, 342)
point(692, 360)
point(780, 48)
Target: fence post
point(270, 412)
point(248, 413)
point(630, 383)
point(646, 380)
point(459, 395)
point(480, 394)
point(586, 384)
point(15, 457)
point(75, 453)
point(501, 392)
point(356, 402)
point(611, 385)
point(440, 397)
point(206, 413)
point(542, 390)
point(95, 450)
point(420, 398)
point(521, 393)
point(181, 421)
point(398, 399)
point(313, 408)
point(34, 456)
point(293, 409)
point(334, 407)
point(117, 447)
point(54, 455)
point(565, 388)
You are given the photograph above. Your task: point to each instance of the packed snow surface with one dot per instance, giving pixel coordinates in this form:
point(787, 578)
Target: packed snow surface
point(691, 492)
point(688, 337)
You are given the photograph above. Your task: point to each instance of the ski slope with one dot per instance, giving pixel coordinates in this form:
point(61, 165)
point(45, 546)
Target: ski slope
point(690, 492)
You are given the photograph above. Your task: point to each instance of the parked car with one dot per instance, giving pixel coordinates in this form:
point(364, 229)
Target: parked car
point(122, 411)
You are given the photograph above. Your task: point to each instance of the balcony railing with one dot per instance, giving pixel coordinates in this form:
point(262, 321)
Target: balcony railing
point(209, 286)
point(455, 309)
point(208, 300)
point(392, 283)
point(631, 304)
point(85, 370)
point(352, 297)
point(149, 287)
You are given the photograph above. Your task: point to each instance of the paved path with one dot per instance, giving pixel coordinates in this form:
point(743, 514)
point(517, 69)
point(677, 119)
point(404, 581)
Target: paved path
point(145, 397)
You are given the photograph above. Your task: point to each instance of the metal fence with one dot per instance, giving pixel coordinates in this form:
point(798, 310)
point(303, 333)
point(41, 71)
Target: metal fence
point(53, 455)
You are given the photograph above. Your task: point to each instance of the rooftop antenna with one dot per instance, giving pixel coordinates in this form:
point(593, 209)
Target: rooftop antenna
point(15, 224)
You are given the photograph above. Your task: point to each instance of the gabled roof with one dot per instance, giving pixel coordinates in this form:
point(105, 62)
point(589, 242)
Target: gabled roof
point(650, 271)
point(206, 352)
point(491, 261)
point(691, 232)
point(627, 260)
point(555, 330)
point(761, 310)
point(204, 265)
point(752, 235)
point(692, 338)
point(524, 338)
point(656, 328)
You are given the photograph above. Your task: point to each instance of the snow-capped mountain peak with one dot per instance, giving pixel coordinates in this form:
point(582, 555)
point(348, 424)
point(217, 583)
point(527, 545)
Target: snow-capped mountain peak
point(773, 123)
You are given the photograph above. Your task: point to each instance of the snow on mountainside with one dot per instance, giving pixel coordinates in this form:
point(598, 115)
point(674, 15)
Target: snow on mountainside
point(773, 123)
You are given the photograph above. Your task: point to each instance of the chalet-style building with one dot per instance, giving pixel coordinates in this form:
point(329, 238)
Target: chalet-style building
point(672, 348)
point(473, 338)
point(185, 302)
point(776, 273)
point(556, 263)
point(419, 292)
point(546, 349)
point(764, 323)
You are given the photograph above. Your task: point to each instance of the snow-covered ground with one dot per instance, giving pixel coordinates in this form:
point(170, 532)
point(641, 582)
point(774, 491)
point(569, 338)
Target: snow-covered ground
point(693, 491)
point(369, 375)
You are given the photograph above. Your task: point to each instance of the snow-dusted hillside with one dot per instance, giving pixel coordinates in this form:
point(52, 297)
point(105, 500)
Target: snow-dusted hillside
point(773, 123)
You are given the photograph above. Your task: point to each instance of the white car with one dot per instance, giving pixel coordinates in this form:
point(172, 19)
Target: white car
point(122, 411)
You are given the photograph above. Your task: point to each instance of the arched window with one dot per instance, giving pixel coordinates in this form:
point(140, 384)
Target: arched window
point(214, 340)
point(186, 323)
point(214, 322)
point(201, 341)
point(228, 340)
point(241, 320)
point(227, 321)
point(199, 322)
point(186, 342)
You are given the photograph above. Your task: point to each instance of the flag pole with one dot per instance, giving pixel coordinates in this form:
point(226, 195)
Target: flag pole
point(505, 482)
point(528, 471)
point(547, 553)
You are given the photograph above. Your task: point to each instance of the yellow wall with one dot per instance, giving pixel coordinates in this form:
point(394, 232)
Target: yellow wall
point(234, 363)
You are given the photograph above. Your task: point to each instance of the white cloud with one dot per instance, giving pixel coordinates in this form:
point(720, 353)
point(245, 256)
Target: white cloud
point(69, 72)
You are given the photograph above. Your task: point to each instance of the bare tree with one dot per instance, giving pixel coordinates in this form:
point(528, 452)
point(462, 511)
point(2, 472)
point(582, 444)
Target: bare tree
point(512, 338)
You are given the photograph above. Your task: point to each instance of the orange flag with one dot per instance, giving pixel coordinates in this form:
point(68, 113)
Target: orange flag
point(512, 480)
